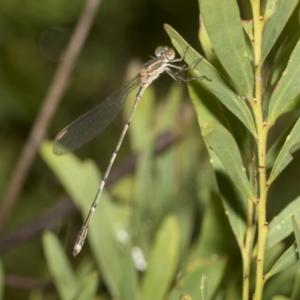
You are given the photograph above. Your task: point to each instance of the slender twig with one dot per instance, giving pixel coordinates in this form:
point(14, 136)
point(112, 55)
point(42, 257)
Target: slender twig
point(56, 90)
point(26, 283)
point(262, 133)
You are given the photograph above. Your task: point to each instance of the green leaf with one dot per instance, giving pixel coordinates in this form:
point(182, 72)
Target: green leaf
point(288, 258)
point(80, 179)
point(203, 287)
point(279, 64)
point(228, 41)
point(224, 145)
point(212, 246)
point(209, 109)
point(277, 15)
point(248, 27)
point(279, 142)
point(61, 272)
point(163, 261)
point(287, 88)
point(296, 288)
point(285, 155)
point(207, 46)
point(85, 267)
point(213, 243)
point(279, 297)
point(190, 280)
point(213, 80)
point(282, 282)
point(110, 241)
point(272, 254)
point(281, 226)
point(139, 127)
point(88, 287)
point(296, 228)
point(110, 221)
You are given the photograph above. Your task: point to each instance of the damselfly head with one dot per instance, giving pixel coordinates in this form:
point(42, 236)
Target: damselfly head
point(166, 51)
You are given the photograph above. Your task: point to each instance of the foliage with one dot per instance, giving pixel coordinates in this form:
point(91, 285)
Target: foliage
point(203, 220)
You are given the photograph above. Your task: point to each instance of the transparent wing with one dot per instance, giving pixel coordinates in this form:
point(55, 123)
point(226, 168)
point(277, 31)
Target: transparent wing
point(86, 127)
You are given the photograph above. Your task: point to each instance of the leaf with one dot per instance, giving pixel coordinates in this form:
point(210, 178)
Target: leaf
point(88, 287)
point(279, 63)
point(228, 41)
point(272, 254)
point(248, 27)
point(80, 179)
point(223, 144)
point(212, 247)
point(110, 221)
point(288, 258)
point(276, 16)
point(282, 282)
point(285, 155)
point(205, 42)
point(213, 80)
point(163, 261)
point(139, 128)
point(296, 227)
point(61, 272)
point(296, 288)
point(279, 297)
point(279, 142)
point(190, 280)
point(203, 287)
point(208, 109)
point(287, 88)
point(281, 226)
point(213, 239)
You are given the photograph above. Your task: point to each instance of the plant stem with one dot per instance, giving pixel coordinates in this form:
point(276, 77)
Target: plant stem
point(262, 132)
point(246, 252)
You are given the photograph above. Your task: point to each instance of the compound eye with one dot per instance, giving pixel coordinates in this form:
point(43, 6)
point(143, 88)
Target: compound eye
point(158, 51)
point(170, 54)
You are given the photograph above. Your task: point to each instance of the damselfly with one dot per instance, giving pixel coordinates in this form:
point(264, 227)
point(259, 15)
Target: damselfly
point(95, 120)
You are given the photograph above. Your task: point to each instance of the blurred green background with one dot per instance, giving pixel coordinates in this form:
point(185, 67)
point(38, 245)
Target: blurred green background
point(33, 35)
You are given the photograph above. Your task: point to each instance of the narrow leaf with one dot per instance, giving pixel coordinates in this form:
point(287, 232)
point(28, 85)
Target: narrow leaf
point(296, 227)
point(203, 287)
point(224, 145)
point(88, 287)
point(296, 288)
point(81, 179)
point(281, 226)
point(285, 155)
point(288, 258)
point(208, 109)
point(190, 280)
point(281, 284)
point(278, 144)
point(163, 261)
point(288, 87)
point(59, 266)
point(228, 41)
point(279, 297)
point(277, 15)
point(214, 242)
point(206, 43)
point(213, 80)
